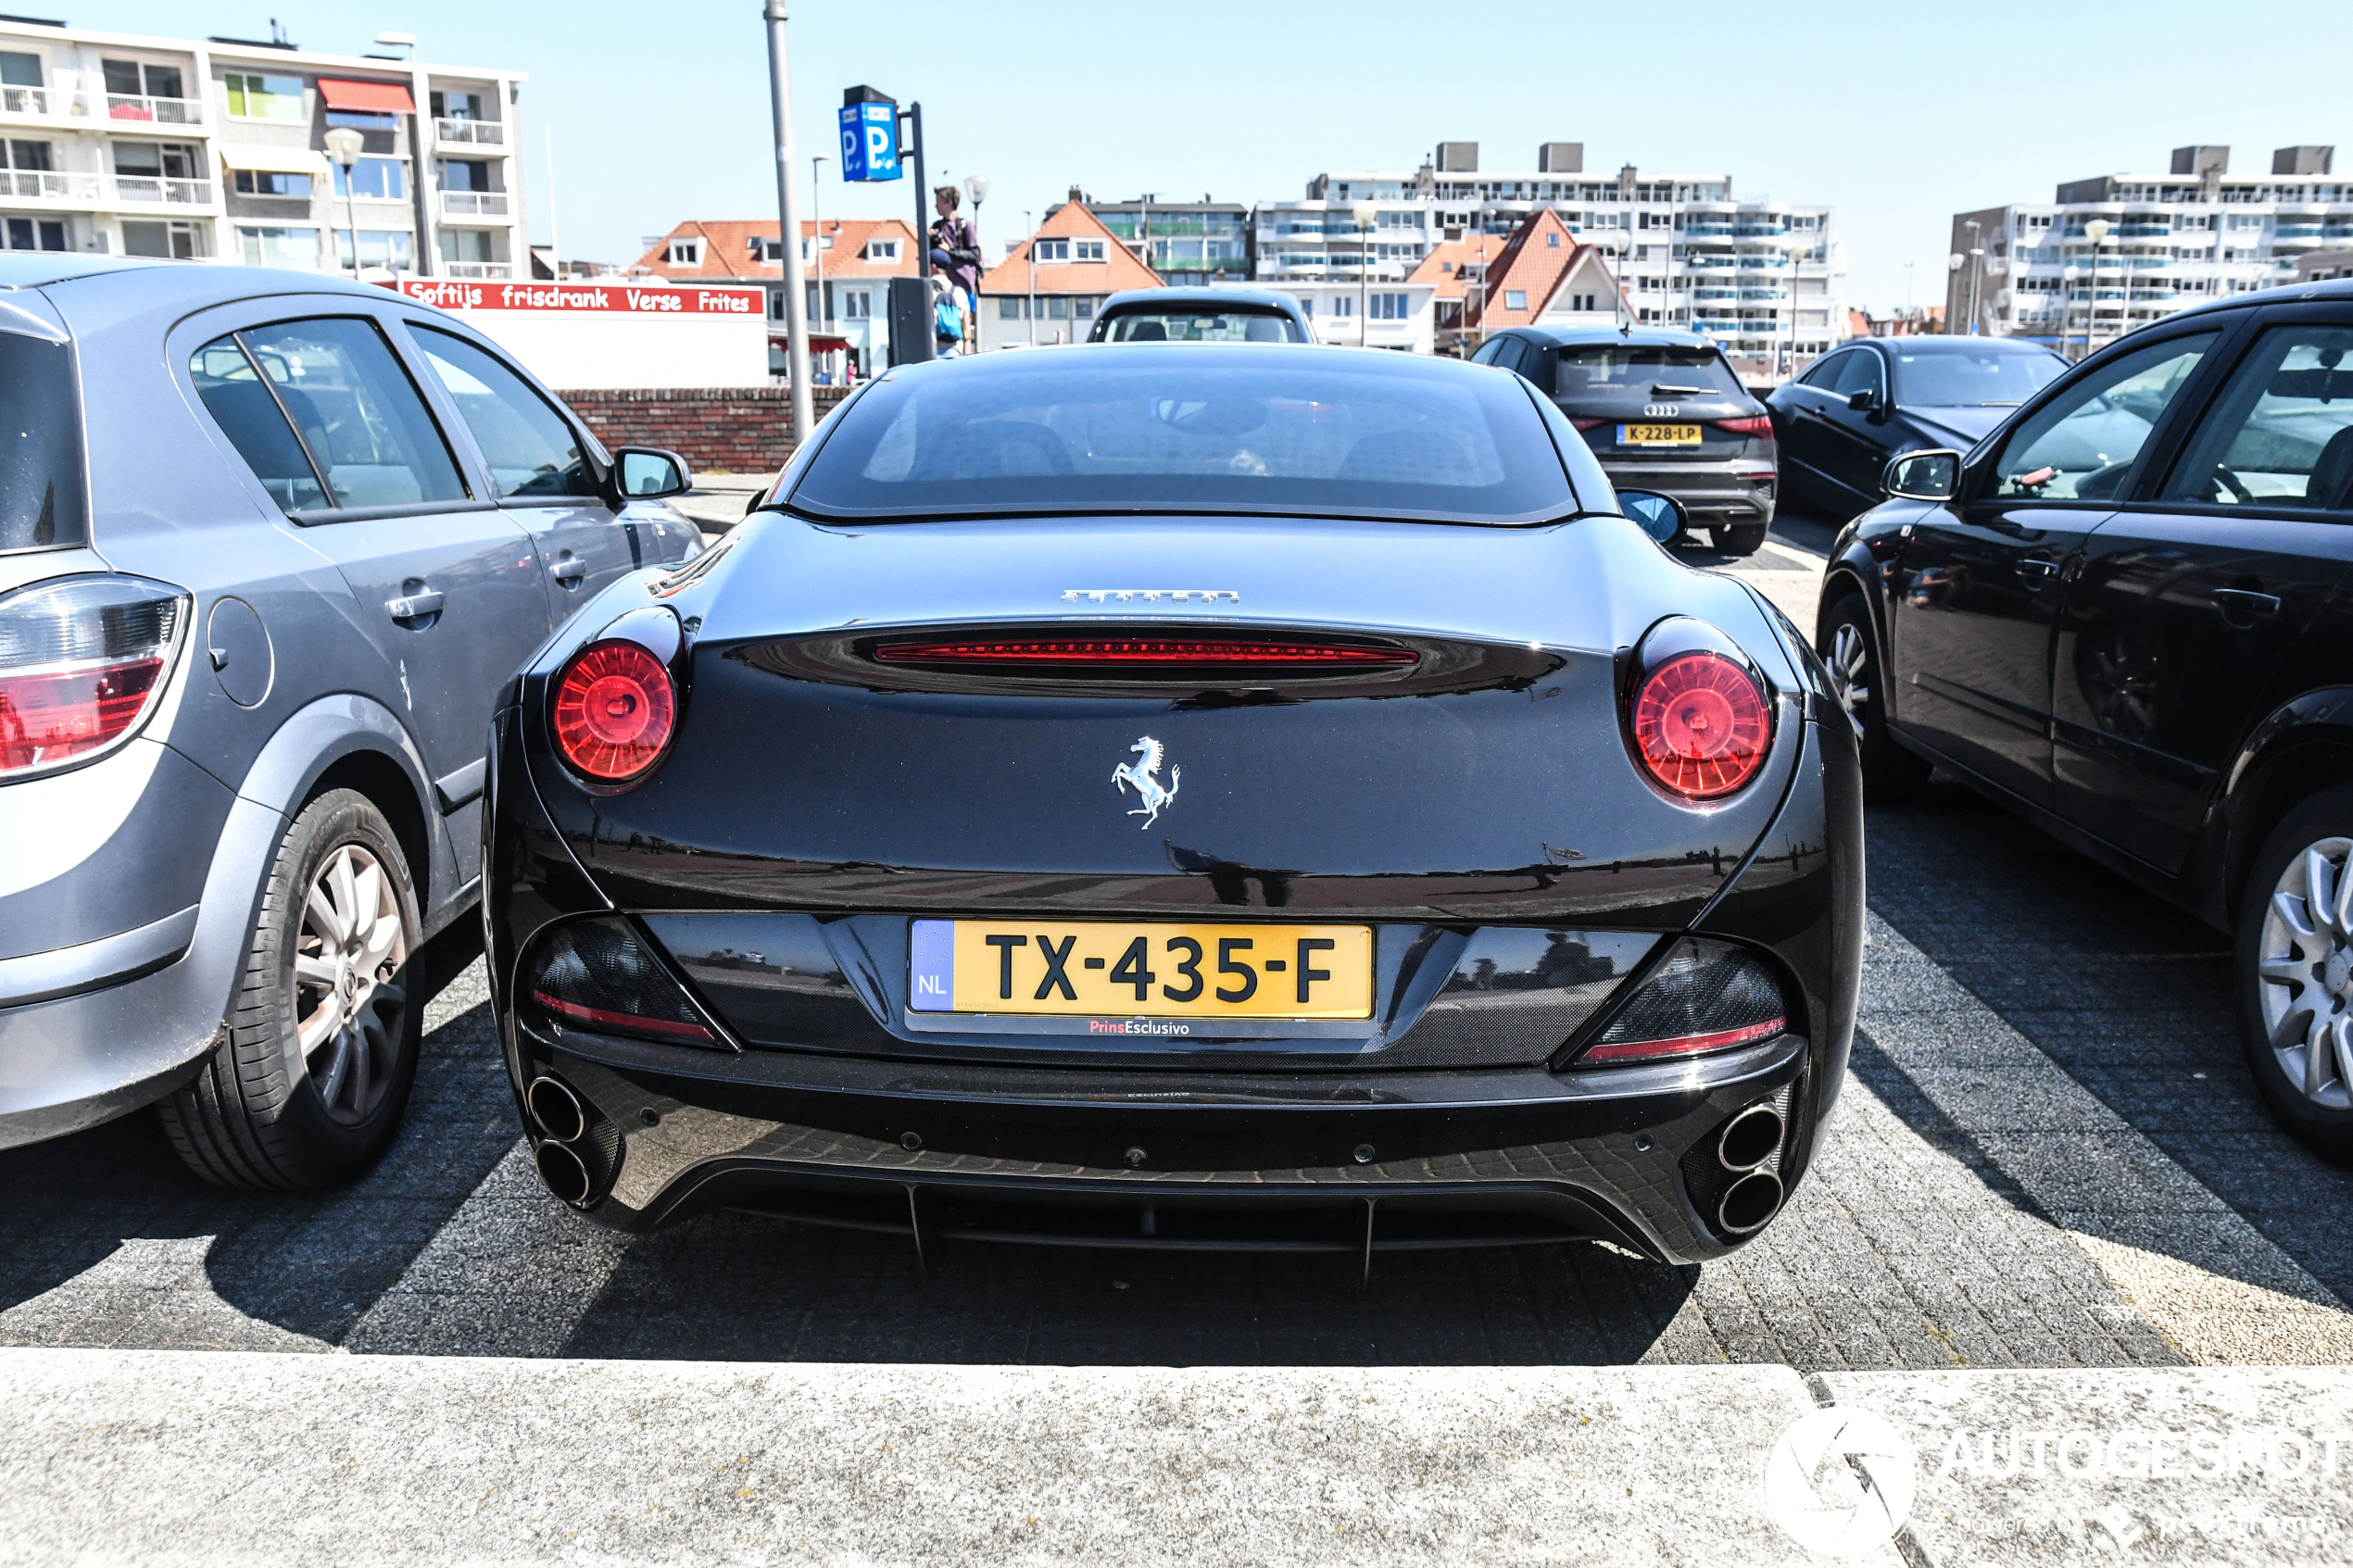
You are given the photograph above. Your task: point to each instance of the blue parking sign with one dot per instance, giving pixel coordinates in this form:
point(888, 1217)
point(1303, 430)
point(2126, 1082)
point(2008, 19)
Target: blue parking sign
point(870, 142)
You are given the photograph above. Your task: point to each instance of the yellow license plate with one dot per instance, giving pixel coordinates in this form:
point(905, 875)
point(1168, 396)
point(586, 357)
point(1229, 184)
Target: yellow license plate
point(1115, 970)
point(1658, 435)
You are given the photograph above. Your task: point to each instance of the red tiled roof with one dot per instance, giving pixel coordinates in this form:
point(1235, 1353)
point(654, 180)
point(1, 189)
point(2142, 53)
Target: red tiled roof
point(1118, 270)
point(1533, 268)
point(1443, 268)
point(726, 251)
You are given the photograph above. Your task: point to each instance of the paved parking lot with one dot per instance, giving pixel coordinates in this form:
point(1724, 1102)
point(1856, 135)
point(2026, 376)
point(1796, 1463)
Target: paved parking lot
point(2049, 1156)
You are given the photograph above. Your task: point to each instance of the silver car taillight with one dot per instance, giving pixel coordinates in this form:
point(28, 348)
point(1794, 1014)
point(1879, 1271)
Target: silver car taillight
point(82, 661)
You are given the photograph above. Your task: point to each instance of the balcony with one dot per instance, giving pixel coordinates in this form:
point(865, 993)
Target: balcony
point(156, 111)
point(158, 189)
point(27, 100)
point(469, 132)
point(32, 185)
point(476, 270)
point(474, 204)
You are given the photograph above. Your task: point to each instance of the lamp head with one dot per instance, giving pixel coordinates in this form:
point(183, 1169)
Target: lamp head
point(2097, 230)
point(1363, 212)
point(344, 145)
point(976, 187)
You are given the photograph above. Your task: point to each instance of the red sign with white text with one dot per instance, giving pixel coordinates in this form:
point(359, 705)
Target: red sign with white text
point(610, 299)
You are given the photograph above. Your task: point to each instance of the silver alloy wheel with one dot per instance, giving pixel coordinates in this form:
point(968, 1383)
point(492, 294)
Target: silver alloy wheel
point(1849, 655)
point(2305, 969)
point(350, 946)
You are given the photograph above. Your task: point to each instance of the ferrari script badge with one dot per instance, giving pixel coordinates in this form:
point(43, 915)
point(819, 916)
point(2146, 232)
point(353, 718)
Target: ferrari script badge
point(1142, 775)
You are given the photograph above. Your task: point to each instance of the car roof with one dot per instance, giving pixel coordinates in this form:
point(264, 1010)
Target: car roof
point(2284, 294)
point(1938, 343)
point(1089, 358)
point(139, 283)
point(31, 268)
point(1184, 294)
point(1651, 337)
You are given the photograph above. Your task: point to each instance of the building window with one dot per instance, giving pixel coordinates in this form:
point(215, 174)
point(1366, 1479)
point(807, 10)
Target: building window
point(686, 253)
point(1089, 250)
point(1389, 308)
point(1058, 307)
point(1054, 250)
point(1009, 309)
point(173, 242)
point(372, 179)
point(265, 97)
point(1084, 308)
point(128, 79)
point(882, 250)
point(268, 183)
point(26, 234)
point(1515, 299)
point(1552, 239)
point(378, 248)
point(1306, 303)
point(298, 248)
point(1344, 306)
point(857, 304)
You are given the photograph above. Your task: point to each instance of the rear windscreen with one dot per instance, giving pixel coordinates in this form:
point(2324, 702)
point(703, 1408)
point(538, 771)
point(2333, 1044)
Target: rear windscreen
point(1646, 370)
point(41, 497)
point(1304, 431)
point(1203, 326)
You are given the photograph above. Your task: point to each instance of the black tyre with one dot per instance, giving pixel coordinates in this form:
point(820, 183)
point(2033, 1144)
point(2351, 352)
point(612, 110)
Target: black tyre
point(1851, 650)
point(1740, 538)
point(2294, 972)
point(308, 1083)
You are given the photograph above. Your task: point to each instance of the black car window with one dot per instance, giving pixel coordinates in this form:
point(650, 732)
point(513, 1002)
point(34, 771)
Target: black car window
point(41, 494)
point(362, 432)
point(2281, 434)
point(1826, 372)
point(1858, 371)
point(531, 449)
point(1972, 378)
point(1507, 353)
point(1618, 371)
point(2082, 442)
point(1228, 429)
point(1485, 353)
point(1201, 325)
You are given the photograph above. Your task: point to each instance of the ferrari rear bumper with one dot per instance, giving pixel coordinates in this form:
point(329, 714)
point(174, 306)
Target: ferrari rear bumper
point(1310, 1161)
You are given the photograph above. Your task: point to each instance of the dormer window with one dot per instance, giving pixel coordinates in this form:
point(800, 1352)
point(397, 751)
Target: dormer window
point(882, 250)
point(1054, 250)
point(1087, 250)
point(686, 253)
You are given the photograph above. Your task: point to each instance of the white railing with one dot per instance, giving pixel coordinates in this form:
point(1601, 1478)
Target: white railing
point(171, 192)
point(475, 269)
point(24, 100)
point(470, 132)
point(161, 111)
point(474, 204)
point(39, 185)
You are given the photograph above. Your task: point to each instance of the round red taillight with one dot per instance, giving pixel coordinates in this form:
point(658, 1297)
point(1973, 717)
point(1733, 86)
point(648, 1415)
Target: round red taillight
point(615, 710)
point(1700, 725)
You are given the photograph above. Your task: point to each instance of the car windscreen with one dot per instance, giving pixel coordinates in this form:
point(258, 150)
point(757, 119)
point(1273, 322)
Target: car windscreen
point(1972, 378)
point(40, 493)
point(1646, 369)
point(1300, 434)
point(1201, 326)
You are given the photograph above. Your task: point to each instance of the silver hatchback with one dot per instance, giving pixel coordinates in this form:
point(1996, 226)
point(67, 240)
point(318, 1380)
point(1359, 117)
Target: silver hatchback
point(269, 546)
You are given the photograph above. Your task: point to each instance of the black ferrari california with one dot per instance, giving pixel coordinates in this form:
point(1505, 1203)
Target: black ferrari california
point(1244, 795)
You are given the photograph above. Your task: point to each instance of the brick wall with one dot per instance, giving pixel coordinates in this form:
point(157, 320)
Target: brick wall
point(721, 428)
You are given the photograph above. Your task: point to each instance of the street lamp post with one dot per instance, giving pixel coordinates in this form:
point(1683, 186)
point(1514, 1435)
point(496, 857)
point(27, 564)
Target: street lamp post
point(344, 144)
point(1363, 212)
point(804, 413)
point(817, 244)
point(2097, 232)
point(1029, 247)
point(1976, 272)
point(976, 187)
point(1952, 268)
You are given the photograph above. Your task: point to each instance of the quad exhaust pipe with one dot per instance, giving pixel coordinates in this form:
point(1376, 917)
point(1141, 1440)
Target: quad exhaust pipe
point(578, 1149)
point(1748, 1141)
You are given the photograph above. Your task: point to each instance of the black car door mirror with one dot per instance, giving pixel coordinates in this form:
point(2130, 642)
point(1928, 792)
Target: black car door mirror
point(1661, 517)
point(1931, 475)
point(649, 473)
point(1862, 399)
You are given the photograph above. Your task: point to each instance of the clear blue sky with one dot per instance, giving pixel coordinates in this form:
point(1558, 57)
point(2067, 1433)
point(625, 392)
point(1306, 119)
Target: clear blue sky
point(1899, 115)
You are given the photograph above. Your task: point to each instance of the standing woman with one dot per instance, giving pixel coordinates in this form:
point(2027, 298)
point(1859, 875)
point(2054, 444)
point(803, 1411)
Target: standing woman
point(955, 255)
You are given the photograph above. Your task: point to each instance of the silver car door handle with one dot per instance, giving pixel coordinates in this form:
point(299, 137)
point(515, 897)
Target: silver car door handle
point(571, 570)
point(414, 607)
point(2039, 569)
point(2247, 601)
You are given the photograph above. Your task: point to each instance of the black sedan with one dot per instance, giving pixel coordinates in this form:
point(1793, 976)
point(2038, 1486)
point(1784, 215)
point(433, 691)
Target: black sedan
point(2124, 615)
point(1662, 410)
point(1852, 410)
point(1232, 796)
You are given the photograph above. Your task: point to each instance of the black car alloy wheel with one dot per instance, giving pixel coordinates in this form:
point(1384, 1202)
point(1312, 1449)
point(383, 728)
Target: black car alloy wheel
point(1845, 643)
point(2295, 972)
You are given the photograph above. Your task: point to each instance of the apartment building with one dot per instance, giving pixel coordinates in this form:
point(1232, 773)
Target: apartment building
point(214, 150)
point(1757, 275)
point(1203, 241)
point(2118, 251)
point(847, 265)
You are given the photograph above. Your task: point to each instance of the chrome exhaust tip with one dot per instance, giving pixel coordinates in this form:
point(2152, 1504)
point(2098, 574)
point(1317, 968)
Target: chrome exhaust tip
point(1749, 1202)
point(1749, 1139)
point(556, 1109)
point(565, 1172)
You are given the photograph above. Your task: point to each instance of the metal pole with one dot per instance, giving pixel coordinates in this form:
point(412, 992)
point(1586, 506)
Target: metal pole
point(817, 245)
point(1029, 247)
point(1363, 321)
point(922, 197)
point(804, 420)
point(555, 232)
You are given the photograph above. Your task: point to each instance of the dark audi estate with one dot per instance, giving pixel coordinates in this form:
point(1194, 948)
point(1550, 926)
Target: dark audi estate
point(1242, 795)
point(2124, 614)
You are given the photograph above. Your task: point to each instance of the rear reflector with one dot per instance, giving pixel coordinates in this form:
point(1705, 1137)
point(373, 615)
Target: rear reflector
point(1708, 996)
point(1146, 653)
point(596, 975)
